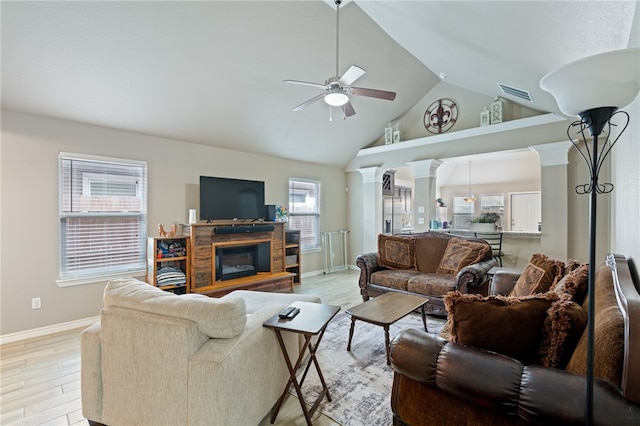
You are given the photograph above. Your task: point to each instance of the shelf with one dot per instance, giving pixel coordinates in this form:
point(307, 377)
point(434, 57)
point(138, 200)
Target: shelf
point(168, 246)
point(170, 259)
point(509, 135)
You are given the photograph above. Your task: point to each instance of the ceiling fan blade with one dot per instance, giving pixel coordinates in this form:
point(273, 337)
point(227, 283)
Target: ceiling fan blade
point(348, 110)
point(352, 74)
point(310, 101)
point(305, 83)
point(373, 93)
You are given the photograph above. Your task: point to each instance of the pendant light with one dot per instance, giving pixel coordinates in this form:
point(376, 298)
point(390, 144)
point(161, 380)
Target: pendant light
point(470, 198)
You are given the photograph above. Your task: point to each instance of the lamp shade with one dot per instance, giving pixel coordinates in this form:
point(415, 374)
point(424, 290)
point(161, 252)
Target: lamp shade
point(610, 79)
point(336, 98)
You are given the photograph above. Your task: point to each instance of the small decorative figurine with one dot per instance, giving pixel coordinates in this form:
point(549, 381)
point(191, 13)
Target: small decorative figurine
point(161, 231)
point(172, 230)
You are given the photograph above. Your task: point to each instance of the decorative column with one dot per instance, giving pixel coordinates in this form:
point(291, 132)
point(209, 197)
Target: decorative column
point(371, 207)
point(424, 192)
point(554, 158)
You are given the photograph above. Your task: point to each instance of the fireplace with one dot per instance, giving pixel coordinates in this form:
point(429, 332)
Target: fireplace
point(237, 261)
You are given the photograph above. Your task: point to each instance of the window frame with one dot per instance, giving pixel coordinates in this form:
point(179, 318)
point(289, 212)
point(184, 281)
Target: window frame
point(102, 216)
point(315, 215)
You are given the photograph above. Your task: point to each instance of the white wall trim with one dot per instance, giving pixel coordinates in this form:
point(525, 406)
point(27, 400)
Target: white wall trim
point(45, 331)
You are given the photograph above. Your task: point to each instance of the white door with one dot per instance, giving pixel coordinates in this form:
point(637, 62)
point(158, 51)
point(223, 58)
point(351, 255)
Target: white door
point(525, 212)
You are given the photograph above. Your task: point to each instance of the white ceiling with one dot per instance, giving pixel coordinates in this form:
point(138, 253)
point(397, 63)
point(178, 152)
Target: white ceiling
point(211, 72)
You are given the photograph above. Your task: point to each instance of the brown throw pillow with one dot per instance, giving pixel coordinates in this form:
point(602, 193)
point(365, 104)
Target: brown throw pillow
point(563, 327)
point(396, 252)
point(538, 276)
point(461, 253)
point(574, 284)
point(507, 325)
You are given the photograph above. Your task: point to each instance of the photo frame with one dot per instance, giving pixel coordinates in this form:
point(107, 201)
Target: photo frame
point(485, 117)
point(388, 135)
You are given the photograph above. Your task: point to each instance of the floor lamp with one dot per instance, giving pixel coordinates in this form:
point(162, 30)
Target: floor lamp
point(593, 89)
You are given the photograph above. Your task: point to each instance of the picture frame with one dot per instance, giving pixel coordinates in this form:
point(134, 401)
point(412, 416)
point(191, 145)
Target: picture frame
point(396, 136)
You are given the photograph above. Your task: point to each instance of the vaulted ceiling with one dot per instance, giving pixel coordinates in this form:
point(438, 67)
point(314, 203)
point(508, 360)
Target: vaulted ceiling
point(211, 72)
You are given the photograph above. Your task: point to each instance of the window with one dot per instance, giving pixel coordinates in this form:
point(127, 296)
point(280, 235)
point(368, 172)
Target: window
point(103, 216)
point(493, 205)
point(462, 212)
point(304, 212)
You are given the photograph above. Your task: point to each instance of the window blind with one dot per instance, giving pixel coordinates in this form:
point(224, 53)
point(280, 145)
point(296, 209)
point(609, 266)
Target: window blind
point(103, 216)
point(304, 211)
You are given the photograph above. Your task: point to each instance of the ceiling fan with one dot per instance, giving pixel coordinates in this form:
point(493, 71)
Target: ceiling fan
point(337, 89)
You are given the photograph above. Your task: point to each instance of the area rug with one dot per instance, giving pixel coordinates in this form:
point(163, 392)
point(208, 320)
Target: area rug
point(359, 381)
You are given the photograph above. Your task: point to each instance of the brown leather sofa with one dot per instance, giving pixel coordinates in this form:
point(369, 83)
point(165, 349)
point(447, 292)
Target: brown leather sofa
point(437, 381)
point(419, 267)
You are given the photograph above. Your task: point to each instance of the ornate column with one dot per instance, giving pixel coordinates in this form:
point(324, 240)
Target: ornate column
point(424, 192)
point(554, 159)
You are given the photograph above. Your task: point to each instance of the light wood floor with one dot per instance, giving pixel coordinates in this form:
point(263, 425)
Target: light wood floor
point(40, 378)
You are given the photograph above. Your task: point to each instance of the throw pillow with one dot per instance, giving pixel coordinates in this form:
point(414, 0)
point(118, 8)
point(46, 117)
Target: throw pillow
point(396, 252)
point(574, 284)
point(508, 325)
point(538, 276)
point(461, 253)
point(563, 327)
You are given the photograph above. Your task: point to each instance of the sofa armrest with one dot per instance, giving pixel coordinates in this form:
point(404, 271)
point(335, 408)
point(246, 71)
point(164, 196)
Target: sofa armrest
point(91, 372)
point(473, 276)
point(503, 282)
point(368, 264)
point(483, 378)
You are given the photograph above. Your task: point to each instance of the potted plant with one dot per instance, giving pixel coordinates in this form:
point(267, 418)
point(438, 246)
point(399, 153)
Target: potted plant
point(484, 223)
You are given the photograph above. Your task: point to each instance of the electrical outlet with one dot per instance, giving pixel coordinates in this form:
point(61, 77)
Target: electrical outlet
point(36, 303)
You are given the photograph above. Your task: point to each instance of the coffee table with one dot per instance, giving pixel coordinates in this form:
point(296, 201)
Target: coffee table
point(384, 310)
point(311, 321)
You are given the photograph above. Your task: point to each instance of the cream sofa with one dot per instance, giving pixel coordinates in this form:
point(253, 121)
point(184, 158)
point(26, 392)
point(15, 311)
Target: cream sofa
point(156, 358)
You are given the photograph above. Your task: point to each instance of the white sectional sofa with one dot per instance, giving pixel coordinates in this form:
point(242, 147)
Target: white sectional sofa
point(156, 358)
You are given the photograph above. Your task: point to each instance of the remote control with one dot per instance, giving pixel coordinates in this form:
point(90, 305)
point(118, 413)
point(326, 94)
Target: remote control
point(286, 311)
point(293, 313)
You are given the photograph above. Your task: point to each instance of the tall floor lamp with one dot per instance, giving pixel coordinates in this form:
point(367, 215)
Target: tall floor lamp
point(593, 89)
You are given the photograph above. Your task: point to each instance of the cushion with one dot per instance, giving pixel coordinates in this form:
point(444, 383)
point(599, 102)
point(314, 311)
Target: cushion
point(508, 325)
point(574, 284)
point(429, 251)
point(396, 252)
point(431, 284)
point(393, 278)
point(538, 276)
point(563, 327)
point(216, 318)
point(461, 253)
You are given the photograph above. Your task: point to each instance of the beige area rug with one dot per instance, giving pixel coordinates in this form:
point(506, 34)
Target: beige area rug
point(359, 381)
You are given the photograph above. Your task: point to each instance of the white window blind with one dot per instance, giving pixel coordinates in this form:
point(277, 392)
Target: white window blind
point(103, 216)
point(304, 212)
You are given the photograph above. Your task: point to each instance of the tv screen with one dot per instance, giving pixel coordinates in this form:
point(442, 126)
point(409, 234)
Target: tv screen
point(226, 199)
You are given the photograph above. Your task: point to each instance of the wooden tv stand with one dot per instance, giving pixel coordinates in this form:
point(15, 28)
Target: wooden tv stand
point(205, 237)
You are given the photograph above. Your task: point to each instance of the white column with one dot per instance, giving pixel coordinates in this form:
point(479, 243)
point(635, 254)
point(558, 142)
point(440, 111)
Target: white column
point(371, 207)
point(424, 192)
point(554, 159)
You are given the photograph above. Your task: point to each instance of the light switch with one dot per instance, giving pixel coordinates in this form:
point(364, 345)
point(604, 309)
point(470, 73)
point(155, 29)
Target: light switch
point(421, 209)
point(421, 221)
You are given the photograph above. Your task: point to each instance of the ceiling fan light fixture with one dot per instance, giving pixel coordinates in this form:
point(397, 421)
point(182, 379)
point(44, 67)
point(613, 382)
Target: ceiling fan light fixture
point(336, 99)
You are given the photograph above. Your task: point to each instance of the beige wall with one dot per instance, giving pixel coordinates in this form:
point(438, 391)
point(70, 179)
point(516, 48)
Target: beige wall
point(29, 210)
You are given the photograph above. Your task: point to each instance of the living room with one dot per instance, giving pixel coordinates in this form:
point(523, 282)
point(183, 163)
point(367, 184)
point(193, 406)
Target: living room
point(33, 138)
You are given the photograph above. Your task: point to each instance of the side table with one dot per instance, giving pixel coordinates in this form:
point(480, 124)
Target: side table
point(311, 321)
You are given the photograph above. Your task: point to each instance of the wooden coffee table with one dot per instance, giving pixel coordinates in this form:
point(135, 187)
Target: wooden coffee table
point(384, 310)
point(311, 321)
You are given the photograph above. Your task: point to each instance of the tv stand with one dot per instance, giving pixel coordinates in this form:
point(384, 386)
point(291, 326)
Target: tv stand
point(205, 237)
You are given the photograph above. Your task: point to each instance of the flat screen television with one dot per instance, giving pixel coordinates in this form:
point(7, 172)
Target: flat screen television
point(227, 199)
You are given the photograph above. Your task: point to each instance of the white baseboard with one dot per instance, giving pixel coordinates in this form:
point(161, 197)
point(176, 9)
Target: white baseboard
point(321, 271)
point(45, 331)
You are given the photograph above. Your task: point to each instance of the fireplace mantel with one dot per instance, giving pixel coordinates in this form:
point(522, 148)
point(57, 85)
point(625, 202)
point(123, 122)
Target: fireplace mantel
point(206, 236)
